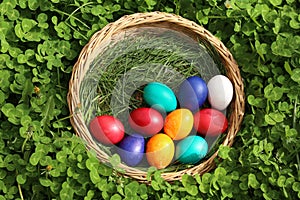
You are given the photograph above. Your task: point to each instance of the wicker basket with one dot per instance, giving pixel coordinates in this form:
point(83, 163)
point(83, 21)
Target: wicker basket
point(165, 20)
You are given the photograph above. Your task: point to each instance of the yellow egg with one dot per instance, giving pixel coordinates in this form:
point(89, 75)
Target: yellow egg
point(179, 123)
point(160, 150)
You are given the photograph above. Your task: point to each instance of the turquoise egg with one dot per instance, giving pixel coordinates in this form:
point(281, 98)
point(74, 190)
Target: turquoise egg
point(191, 149)
point(160, 97)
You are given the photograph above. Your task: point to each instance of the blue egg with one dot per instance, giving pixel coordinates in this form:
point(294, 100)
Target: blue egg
point(160, 97)
point(191, 149)
point(131, 149)
point(192, 93)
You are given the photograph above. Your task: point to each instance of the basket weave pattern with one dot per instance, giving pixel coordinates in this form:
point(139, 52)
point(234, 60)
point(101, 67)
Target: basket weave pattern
point(165, 20)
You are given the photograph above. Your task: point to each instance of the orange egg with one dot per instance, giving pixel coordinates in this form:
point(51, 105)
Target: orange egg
point(160, 150)
point(179, 123)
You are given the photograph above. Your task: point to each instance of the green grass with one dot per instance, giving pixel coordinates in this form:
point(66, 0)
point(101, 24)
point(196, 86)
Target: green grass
point(40, 156)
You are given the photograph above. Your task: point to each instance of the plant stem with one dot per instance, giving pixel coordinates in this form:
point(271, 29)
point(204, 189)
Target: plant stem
point(127, 11)
point(71, 27)
point(71, 15)
point(20, 192)
point(294, 112)
point(223, 17)
point(64, 13)
point(64, 118)
point(294, 126)
point(20, 189)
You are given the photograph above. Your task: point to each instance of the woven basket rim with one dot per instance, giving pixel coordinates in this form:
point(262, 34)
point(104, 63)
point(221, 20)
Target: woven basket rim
point(156, 18)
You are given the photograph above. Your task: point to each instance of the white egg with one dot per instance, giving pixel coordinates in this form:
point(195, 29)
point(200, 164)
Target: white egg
point(220, 92)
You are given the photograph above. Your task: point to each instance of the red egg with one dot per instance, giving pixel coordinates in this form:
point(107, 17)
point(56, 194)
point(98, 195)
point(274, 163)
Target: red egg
point(107, 129)
point(210, 122)
point(146, 121)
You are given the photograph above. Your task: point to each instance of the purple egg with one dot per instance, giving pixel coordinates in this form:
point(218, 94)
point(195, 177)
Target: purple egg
point(131, 149)
point(192, 93)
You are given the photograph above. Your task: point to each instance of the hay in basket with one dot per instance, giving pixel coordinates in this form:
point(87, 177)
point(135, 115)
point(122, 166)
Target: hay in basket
point(139, 48)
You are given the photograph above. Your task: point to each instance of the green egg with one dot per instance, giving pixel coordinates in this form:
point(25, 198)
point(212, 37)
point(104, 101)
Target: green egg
point(160, 97)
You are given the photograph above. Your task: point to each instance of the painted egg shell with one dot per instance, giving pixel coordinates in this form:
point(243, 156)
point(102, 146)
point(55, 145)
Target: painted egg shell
point(107, 129)
point(131, 149)
point(210, 122)
point(179, 123)
point(220, 92)
point(146, 121)
point(160, 150)
point(192, 93)
point(160, 97)
point(191, 149)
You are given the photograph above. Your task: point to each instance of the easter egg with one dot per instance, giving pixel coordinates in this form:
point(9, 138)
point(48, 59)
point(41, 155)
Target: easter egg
point(210, 122)
point(146, 121)
point(191, 149)
point(192, 93)
point(131, 149)
point(179, 123)
point(107, 129)
point(160, 150)
point(160, 97)
point(220, 92)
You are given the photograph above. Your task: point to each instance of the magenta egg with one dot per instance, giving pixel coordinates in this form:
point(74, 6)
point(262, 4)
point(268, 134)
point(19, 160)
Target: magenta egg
point(146, 121)
point(131, 149)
